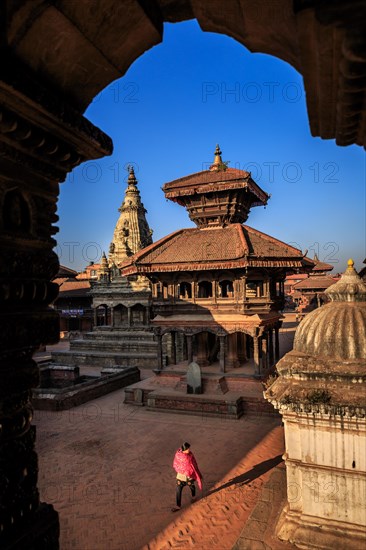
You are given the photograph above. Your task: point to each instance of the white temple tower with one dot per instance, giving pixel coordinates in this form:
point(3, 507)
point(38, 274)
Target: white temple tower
point(132, 232)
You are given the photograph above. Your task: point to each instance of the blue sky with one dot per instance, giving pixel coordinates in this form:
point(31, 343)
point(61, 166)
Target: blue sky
point(165, 117)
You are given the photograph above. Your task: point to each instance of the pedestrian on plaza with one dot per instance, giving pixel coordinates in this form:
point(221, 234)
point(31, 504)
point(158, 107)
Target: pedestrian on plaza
point(187, 473)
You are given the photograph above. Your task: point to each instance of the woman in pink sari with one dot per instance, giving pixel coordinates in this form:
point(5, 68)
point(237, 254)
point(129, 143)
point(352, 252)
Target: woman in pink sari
point(187, 473)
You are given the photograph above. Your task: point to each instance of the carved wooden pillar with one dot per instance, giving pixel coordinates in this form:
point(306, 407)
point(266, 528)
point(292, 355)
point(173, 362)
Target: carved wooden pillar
point(194, 291)
point(215, 288)
point(41, 140)
point(222, 353)
point(256, 355)
point(202, 351)
point(232, 360)
point(160, 351)
point(189, 348)
point(184, 347)
point(112, 316)
point(264, 358)
point(173, 355)
point(95, 316)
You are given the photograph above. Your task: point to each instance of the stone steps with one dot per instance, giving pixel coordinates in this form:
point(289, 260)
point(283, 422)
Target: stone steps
point(113, 346)
point(119, 334)
point(140, 358)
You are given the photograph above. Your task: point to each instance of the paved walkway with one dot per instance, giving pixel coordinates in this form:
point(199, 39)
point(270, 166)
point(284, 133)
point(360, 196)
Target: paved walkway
point(107, 469)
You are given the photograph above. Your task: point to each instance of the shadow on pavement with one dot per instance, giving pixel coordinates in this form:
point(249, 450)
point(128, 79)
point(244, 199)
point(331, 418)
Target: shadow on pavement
point(247, 477)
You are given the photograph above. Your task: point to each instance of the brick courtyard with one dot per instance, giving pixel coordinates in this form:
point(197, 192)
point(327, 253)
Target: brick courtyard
point(107, 469)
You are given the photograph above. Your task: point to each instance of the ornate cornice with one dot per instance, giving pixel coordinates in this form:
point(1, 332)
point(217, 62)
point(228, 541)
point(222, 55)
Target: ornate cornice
point(318, 386)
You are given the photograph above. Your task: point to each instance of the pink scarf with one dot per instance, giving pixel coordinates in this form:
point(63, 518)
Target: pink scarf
point(185, 463)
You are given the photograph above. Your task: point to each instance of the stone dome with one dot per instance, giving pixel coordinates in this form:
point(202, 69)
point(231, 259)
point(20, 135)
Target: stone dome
point(338, 328)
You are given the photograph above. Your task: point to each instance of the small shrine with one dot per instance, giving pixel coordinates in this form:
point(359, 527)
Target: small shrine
point(309, 292)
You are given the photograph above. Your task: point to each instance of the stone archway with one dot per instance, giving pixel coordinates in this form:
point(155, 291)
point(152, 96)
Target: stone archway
point(94, 44)
point(54, 60)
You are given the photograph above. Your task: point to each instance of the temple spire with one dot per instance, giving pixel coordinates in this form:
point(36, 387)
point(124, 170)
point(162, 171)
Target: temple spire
point(131, 177)
point(217, 164)
point(132, 231)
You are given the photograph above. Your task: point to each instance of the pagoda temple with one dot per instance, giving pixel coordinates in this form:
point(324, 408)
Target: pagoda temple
point(217, 289)
point(309, 293)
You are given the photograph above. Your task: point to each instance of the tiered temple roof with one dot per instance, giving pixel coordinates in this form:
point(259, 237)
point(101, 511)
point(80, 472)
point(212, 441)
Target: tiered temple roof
point(235, 246)
point(218, 200)
point(218, 196)
point(320, 267)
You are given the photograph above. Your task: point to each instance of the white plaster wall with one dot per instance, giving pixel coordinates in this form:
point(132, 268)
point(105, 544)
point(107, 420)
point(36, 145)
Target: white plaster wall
point(326, 465)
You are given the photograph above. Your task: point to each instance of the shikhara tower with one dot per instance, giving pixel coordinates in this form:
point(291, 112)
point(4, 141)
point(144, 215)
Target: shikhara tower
point(121, 334)
point(132, 232)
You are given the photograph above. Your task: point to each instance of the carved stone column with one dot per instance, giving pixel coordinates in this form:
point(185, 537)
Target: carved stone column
point(41, 140)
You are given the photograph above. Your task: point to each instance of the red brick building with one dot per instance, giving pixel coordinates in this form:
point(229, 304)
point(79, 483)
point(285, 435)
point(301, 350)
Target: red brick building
point(73, 302)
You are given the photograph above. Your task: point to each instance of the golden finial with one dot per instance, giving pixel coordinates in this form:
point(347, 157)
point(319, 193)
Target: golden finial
point(217, 164)
point(218, 159)
point(350, 264)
